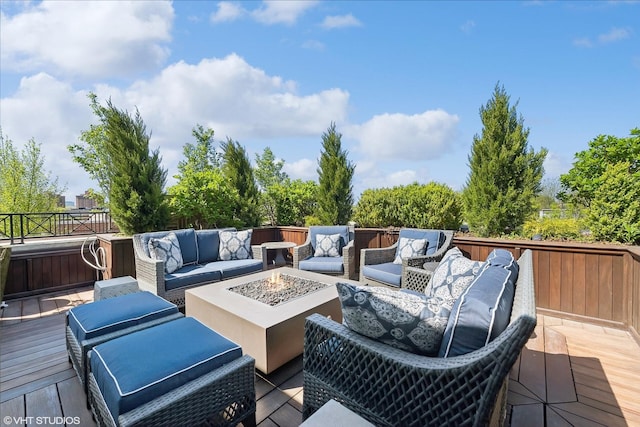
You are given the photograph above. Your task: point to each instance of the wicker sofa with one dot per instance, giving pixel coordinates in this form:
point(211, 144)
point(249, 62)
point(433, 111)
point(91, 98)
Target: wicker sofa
point(391, 387)
point(200, 252)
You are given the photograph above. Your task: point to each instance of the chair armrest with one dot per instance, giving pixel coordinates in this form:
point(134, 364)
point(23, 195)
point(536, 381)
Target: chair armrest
point(260, 252)
point(301, 252)
point(415, 279)
point(348, 259)
point(377, 255)
point(149, 271)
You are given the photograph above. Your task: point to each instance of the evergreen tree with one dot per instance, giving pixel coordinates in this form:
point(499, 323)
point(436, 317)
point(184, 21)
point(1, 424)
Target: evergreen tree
point(136, 177)
point(236, 168)
point(505, 172)
point(268, 170)
point(202, 156)
point(335, 173)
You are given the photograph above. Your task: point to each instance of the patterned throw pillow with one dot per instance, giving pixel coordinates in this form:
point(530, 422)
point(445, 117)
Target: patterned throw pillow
point(327, 245)
point(235, 245)
point(408, 248)
point(452, 277)
point(167, 249)
point(404, 321)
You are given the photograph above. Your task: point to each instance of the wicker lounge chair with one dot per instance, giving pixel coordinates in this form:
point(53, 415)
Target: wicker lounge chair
point(344, 265)
point(377, 260)
point(391, 387)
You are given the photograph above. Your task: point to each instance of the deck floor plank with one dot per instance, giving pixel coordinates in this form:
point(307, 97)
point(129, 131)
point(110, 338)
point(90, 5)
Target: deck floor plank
point(43, 406)
point(561, 378)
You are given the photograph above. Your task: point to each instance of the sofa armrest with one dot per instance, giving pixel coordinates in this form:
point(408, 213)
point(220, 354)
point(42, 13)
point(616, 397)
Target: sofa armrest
point(149, 271)
point(260, 252)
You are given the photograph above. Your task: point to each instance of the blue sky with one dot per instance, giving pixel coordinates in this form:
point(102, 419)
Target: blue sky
point(403, 81)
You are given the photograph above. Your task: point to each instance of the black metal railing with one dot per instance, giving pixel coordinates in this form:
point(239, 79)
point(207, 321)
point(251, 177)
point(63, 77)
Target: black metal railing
point(16, 227)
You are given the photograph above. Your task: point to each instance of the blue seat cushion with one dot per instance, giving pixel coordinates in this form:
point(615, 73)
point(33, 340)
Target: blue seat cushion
point(192, 275)
point(387, 272)
point(322, 264)
point(434, 238)
point(237, 267)
point(103, 317)
point(481, 313)
point(137, 368)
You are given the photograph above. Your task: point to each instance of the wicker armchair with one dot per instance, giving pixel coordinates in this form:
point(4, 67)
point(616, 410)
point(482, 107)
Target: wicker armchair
point(390, 387)
point(385, 256)
point(344, 267)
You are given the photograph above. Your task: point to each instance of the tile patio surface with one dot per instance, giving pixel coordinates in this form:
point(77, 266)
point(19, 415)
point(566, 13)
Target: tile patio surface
point(569, 374)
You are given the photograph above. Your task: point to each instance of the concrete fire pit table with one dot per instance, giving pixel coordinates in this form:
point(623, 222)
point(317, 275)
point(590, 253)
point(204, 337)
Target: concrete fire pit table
point(271, 334)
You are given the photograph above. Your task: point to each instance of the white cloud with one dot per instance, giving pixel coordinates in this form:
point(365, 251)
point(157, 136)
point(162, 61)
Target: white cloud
point(614, 35)
point(555, 165)
point(227, 11)
point(313, 45)
point(282, 12)
point(582, 42)
point(228, 95)
point(304, 169)
point(87, 38)
point(403, 137)
point(468, 26)
point(340, 21)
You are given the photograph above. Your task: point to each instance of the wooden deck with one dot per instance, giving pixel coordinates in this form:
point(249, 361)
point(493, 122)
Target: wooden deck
point(570, 374)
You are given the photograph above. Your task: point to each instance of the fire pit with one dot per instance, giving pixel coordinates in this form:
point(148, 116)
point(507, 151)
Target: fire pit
point(278, 288)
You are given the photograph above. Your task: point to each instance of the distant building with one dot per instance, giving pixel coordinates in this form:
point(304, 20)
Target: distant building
point(84, 202)
point(61, 201)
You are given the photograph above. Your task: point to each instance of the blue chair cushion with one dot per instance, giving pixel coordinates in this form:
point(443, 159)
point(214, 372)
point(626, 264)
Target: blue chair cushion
point(435, 238)
point(103, 317)
point(404, 321)
point(342, 230)
point(137, 368)
point(238, 267)
point(481, 313)
point(387, 272)
point(322, 264)
point(192, 275)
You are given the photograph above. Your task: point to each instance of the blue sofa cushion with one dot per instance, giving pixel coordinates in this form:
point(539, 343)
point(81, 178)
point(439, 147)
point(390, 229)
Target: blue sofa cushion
point(235, 245)
point(404, 321)
point(434, 238)
point(167, 250)
point(188, 245)
point(137, 368)
point(453, 276)
point(481, 313)
point(409, 248)
point(237, 267)
point(328, 245)
point(192, 275)
point(322, 264)
point(387, 272)
point(208, 245)
point(342, 230)
point(103, 317)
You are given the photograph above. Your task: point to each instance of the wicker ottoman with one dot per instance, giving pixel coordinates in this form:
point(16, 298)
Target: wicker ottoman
point(179, 373)
point(91, 324)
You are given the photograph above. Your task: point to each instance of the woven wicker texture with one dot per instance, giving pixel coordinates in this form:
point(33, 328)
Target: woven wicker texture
point(383, 255)
point(150, 272)
point(390, 387)
point(348, 256)
point(223, 397)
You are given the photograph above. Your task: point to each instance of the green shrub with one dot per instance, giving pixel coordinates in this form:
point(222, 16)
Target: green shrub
point(553, 228)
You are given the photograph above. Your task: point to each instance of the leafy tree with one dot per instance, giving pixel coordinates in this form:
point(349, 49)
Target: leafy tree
point(268, 170)
point(335, 174)
point(24, 184)
point(236, 168)
point(201, 156)
point(91, 154)
point(505, 172)
point(293, 201)
point(431, 205)
point(614, 214)
point(587, 174)
point(134, 176)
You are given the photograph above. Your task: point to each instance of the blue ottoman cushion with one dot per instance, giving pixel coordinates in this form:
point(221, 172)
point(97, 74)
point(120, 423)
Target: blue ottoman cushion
point(137, 368)
point(387, 272)
point(103, 317)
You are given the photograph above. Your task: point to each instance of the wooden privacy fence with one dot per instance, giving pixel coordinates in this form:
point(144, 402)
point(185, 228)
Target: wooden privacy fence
point(592, 282)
